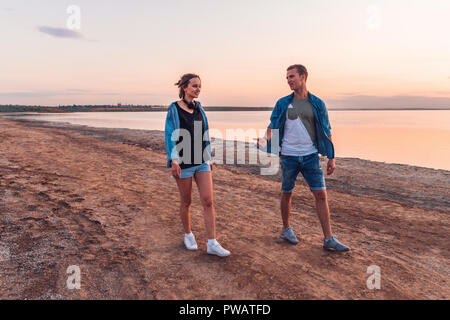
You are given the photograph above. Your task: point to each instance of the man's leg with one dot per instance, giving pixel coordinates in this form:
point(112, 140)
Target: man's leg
point(285, 208)
point(323, 212)
point(329, 242)
point(313, 174)
point(289, 171)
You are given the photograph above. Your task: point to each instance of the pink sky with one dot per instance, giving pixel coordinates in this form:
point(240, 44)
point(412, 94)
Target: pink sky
point(358, 53)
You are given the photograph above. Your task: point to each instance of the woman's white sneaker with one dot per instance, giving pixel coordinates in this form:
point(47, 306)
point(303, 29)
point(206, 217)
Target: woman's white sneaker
point(189, 241)
point(215, 248)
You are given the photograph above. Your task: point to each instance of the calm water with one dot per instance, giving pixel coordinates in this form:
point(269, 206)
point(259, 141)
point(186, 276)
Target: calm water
point(419, 138)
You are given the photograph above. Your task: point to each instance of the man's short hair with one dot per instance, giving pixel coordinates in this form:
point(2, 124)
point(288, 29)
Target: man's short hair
point(300, 69)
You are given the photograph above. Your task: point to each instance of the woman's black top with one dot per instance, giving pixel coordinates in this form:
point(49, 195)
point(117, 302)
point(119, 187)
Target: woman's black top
point(187, 122)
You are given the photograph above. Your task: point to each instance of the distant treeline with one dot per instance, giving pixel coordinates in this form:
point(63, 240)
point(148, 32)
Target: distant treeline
point(81, 108)
point(150, 108)
point(112, 108)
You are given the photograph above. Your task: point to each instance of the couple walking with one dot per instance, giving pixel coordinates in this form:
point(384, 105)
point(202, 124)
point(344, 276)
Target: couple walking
point(304, 131)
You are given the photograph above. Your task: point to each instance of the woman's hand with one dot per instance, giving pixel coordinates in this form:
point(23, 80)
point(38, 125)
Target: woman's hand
point(176, 170)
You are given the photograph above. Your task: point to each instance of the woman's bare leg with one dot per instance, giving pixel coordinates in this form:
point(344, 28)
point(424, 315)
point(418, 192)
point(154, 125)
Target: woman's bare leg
point(185, 188)
point(205, 188)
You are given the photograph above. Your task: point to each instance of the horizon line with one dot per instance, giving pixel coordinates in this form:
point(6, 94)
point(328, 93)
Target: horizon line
point(265, 108)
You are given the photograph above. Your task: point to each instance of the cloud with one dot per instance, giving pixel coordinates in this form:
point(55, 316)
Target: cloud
point(376, 102)
point(347, 93)
point(38, 94)
point(8, 9)
point(26, 94)
point(60, 32)
point(78, 90)
point(442, 93)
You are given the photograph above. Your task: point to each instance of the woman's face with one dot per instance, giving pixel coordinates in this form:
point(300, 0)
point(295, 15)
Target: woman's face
point(194, 87)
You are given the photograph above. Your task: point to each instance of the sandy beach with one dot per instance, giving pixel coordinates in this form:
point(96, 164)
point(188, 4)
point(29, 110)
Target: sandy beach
point(102, 199)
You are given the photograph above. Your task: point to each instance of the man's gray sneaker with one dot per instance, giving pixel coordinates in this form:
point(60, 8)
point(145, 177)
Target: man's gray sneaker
point(333, 244)
point(288, 235)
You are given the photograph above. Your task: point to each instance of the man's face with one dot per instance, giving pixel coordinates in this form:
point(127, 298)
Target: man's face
point(295, 81)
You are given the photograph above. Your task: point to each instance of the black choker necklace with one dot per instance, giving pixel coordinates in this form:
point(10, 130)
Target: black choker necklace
point(191, 105)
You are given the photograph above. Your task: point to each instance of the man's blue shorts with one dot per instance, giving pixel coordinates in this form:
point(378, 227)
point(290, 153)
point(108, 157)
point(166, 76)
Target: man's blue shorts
point(310, 168)
point(190, 172)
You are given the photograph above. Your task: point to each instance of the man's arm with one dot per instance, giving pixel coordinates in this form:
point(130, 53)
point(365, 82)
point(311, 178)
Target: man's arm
point(331, 165)
point(262, 142)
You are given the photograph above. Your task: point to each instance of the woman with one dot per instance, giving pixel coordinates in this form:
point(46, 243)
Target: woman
point(186, 125)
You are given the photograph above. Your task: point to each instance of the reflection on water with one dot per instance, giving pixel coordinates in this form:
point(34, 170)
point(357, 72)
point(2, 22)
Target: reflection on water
point(418, 138)
point(423, 147)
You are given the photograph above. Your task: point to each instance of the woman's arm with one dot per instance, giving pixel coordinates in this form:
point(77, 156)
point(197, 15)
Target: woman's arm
point(171, 151)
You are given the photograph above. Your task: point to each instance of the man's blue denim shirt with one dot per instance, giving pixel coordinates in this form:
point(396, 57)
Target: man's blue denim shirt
point(172, 124)
point(323, 128)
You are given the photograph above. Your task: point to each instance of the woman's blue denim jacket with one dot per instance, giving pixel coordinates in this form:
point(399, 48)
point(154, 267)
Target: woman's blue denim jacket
point(323, 128)
point(172, 124)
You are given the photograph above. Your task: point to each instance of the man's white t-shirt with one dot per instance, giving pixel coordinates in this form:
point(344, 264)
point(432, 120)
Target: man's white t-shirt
point(296, 139)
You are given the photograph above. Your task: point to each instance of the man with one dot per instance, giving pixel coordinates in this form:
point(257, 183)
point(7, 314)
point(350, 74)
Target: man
point(304, 131)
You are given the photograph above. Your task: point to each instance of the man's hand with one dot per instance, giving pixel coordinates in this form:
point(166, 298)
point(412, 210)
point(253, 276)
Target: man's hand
point(261, 142)
point(175, 170)
point(331, 165)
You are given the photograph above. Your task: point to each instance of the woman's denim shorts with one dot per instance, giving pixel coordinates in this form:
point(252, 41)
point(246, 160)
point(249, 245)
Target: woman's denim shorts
point(190, 172)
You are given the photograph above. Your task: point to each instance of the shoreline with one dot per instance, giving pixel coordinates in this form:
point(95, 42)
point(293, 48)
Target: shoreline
point(86, 128)
point(102, 199)
point(353, 175)
point(218, 108)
